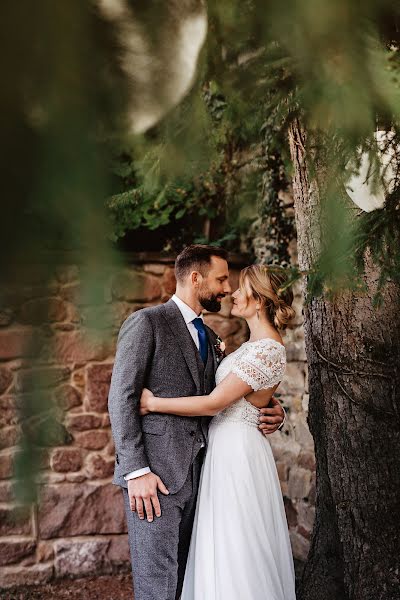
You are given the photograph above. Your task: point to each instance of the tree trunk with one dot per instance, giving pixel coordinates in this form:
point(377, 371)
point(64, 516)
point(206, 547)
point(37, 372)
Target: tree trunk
point(353, 351)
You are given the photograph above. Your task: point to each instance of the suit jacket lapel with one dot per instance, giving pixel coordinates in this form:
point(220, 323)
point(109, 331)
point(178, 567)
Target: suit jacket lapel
point(185, 341)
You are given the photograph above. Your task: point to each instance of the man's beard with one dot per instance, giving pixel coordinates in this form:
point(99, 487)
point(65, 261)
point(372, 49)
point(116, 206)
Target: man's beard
point(212, 303)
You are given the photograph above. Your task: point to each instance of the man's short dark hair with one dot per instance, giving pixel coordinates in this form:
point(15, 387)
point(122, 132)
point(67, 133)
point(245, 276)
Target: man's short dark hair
point(196, 257)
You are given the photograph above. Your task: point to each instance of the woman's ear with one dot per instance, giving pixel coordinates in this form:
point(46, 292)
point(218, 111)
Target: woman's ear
point(259, 302)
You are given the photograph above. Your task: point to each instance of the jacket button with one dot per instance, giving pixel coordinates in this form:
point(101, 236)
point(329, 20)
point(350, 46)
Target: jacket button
point(200, 440)
point(192, 433)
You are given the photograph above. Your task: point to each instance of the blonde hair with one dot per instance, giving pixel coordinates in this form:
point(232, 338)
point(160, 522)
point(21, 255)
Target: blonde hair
point(268, 286)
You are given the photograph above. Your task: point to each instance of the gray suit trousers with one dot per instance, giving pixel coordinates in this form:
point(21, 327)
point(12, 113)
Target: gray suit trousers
point(159, 549)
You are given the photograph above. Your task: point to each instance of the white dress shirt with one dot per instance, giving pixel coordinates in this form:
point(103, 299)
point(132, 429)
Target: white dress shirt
point(188, 314)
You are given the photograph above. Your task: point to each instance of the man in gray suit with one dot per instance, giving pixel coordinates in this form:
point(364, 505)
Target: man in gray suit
point(169, 350)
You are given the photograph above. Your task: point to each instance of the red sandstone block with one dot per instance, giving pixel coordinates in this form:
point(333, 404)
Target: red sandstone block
point(14, 344)
point(99, 467)
point(6, 491)
point(307, 460)
point(8, 411)
point(9, 436)
point(44, 377)
point(111, 448)
point(64, 460)
point(300, 545)
point(67, 397)
point(154, 268)
point(81, 557)
point(102, 316)
point(306, 519)
point(74, 509)
point(283, 470)
point(6, 464)
point(12, 551)
point(45, 551)
point(304, 532)
point(83, 421)
point(95, 439)
point(134, 286)
point(6, 378)
point(291, 512)
point(99, 373)
point(21, 575)
point(43, 310)
point(118, 551)
point(222, 326)
point(44, 458)
point(15, 520)
point(299, 482)
point(106, 421)
point(121, 311)
point(73, 346)
point(98, 379)
point(169, 282)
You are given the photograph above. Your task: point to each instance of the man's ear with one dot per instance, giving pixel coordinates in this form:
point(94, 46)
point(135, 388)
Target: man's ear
point(196, 278)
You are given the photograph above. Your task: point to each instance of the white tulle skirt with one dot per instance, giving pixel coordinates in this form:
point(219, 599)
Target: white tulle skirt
point(240, 547)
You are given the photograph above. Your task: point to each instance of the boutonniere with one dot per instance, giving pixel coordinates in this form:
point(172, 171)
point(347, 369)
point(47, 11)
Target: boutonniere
point(220, 348)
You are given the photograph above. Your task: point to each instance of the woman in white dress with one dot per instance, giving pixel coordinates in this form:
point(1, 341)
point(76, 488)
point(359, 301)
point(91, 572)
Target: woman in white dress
point(240, 547)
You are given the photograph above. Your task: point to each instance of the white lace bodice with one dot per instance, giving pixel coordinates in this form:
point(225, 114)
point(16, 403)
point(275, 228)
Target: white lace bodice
point(261, 365)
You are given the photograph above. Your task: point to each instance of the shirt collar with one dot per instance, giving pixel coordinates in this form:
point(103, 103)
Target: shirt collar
point(187, 312)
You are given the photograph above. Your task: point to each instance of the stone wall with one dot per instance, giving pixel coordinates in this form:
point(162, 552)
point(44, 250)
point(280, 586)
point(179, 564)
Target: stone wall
point(78, 527)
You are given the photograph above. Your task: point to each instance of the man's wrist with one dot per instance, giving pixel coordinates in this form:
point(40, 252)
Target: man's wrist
point(153, 404)
point(137, 473)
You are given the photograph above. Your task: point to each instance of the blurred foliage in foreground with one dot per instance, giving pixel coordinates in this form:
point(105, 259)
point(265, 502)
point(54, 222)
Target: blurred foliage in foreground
point(335, 67)
point(333, 64)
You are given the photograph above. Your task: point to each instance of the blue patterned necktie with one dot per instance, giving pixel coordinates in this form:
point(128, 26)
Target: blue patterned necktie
point(203, 342)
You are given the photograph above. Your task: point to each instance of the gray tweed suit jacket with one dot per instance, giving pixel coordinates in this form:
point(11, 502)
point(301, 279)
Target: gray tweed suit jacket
point(155, 350)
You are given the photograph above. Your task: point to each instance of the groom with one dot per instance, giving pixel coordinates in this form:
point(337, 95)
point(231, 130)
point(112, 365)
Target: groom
point(170, 350)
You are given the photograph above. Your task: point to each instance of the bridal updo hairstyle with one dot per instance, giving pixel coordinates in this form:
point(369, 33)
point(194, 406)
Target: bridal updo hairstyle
point(267, 284)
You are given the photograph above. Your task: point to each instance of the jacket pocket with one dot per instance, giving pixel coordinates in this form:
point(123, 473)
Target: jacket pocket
point(155, 425)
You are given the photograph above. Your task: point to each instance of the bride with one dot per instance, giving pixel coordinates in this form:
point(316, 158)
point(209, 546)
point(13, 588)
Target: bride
point(240, 547)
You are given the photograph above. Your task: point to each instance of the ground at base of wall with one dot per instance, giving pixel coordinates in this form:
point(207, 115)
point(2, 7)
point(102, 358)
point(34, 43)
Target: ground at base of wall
point(109, 587)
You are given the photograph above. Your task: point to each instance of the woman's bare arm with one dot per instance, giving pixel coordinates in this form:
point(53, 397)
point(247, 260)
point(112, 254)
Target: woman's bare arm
point(231, 389)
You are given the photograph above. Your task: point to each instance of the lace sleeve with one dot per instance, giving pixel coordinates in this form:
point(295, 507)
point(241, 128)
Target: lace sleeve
point(260, 364)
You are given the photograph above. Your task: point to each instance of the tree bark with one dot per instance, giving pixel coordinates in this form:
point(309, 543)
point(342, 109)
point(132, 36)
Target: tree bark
point(353, 351)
